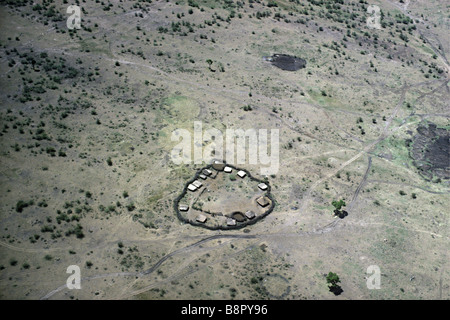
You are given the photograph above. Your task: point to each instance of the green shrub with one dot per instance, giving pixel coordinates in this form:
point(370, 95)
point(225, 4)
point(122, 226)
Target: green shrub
point(20, 205)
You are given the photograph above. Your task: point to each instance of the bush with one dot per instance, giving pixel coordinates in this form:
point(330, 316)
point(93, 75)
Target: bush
point(77, 231)
point(333, 280)
point(47, 229)
point(338, 204)
point(20, 205)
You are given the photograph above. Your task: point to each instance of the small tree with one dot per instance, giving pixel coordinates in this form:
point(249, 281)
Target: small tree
point(333, 280)
point(338, 206)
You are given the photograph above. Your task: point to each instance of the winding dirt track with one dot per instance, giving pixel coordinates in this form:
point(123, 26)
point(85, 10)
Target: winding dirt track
point(407, 185)
point(156, 265)
point(361, 184)
point(218, 236)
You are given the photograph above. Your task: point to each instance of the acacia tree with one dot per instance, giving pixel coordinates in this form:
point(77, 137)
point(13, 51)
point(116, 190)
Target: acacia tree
point(338, 206)
point(333, 280)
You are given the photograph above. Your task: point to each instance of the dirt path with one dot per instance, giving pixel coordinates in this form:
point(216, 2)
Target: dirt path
point(27, 250)
point(361, 184)
point(258, 237)
point(156, 265)
point(407, 185)
point(196, 244)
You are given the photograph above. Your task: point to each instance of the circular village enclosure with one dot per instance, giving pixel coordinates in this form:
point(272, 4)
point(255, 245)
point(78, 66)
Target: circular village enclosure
point(221, 196)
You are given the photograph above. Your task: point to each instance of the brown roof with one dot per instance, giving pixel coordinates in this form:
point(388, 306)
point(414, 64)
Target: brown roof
point(206, 172)
point(263, 201)
point(218, 166)
point(201, 218)
point(250, 214)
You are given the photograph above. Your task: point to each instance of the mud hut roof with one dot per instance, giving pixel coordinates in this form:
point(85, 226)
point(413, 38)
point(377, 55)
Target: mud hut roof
point(191, 187)
point(218, 166)
point(184, 207)
point(241, 174)
point(227, 169)
point(262, 201)
point(197, 183)
point(201, 218)
point(262, 186)
point(250, 214)
point(231, 222)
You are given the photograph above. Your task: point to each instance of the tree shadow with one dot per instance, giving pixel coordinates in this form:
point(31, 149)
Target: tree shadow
point(337, 290)
point(341, 214)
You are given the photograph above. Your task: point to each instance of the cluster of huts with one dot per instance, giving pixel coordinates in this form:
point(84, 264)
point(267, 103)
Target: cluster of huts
point(263, 201)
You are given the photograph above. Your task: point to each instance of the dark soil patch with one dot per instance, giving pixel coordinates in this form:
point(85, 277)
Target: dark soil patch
point(238, 216)
point(286, 62)
point(430, 149)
